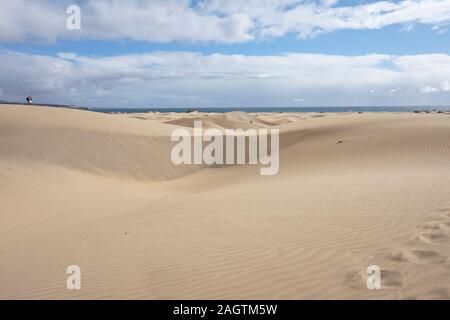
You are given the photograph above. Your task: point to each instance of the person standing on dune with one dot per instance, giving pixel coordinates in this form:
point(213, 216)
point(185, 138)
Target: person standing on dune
point(29, 100)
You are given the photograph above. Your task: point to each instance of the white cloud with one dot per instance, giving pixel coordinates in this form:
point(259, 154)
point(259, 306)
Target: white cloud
point(329, 2)
point(407, 27)
point(100, 92)
point(181, 78)
point(210, 20)
point(154, 21)
point(67, 55)
point(444, 86)
point(428, 89)
point(22, 21)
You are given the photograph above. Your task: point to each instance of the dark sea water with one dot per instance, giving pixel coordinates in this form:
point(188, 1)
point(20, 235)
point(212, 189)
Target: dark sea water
point(276, 109)
point(250, 109)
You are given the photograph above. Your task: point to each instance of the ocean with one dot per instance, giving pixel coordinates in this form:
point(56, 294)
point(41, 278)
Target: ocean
point(250, 109)
point(276, 109)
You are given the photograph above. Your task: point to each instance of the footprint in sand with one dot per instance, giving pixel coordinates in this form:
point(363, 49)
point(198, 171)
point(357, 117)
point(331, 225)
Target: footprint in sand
point(390, 279)
point(420, 256)
point(430, 225)
point(444, 226)
point(434, 237)
point(397, 257)
point(445, 213)
point(354, 280)
point(436, 225)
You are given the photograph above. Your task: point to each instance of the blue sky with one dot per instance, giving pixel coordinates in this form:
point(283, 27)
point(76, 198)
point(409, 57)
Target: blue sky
point(227, 53)
point(389, 40)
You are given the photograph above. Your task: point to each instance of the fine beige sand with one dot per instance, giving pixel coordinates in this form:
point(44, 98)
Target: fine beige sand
point(101, 192)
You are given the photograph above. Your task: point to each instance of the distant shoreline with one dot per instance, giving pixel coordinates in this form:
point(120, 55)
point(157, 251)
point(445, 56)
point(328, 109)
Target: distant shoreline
point(338, 109)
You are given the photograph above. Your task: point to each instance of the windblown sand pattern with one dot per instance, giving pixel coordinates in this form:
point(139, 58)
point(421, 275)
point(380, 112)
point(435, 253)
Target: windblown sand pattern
point(100, 191)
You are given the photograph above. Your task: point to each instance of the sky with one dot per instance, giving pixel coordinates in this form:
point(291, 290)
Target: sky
point(225, 53)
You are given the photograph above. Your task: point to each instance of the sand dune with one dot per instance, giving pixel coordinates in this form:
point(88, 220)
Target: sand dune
point(100, 191)
point(231, 120)
point(92, 142)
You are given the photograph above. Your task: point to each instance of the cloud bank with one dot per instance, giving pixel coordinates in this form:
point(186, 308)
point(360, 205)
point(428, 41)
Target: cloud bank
point(184, 79)
point(212, 21)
